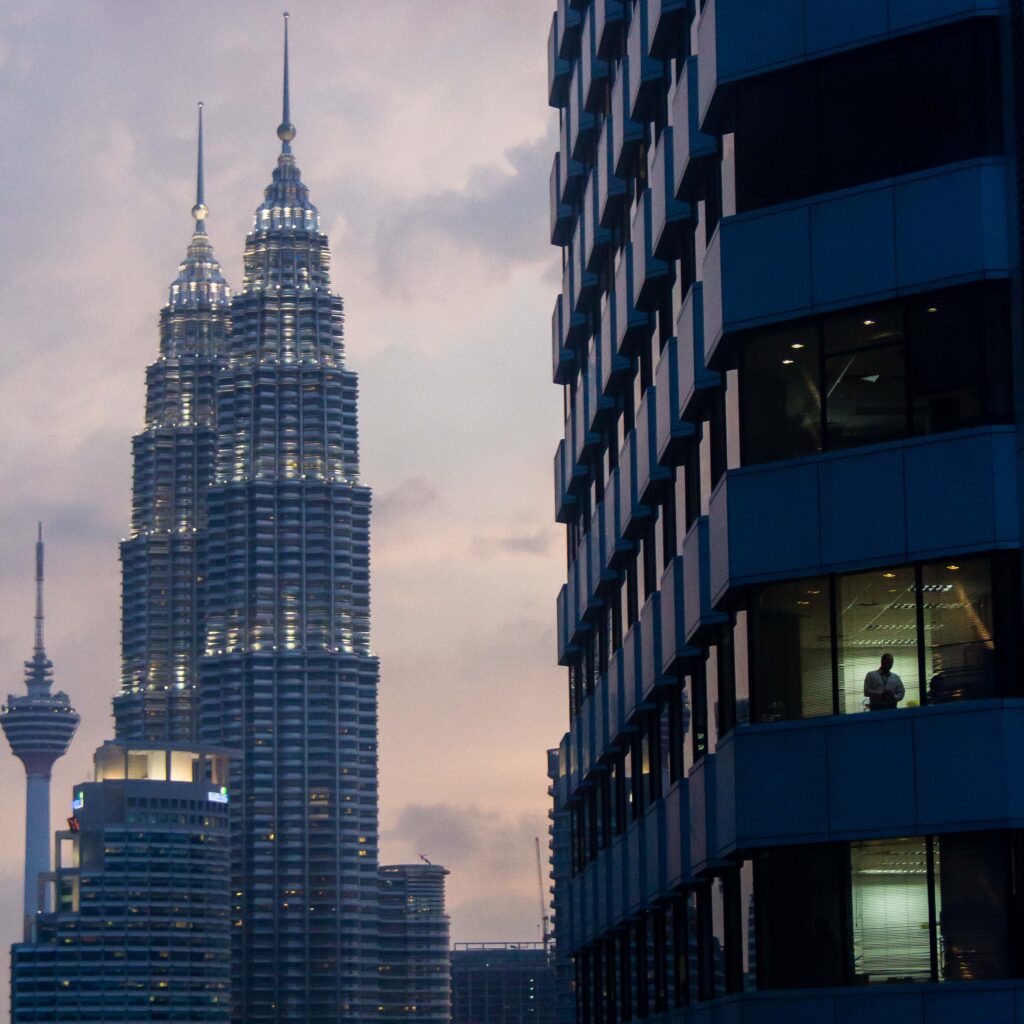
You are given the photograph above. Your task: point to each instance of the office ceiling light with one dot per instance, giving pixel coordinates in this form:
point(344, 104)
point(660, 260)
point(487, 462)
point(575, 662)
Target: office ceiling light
point(787, 362)
point(869, 323)
point(797, 344)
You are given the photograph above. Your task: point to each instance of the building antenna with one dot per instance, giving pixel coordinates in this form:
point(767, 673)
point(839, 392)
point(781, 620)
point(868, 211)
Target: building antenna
point(286, 130)
point(545, 921)
point(200, 210)
point(39, 652)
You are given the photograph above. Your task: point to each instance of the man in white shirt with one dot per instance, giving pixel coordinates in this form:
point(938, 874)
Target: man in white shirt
point(882, 687)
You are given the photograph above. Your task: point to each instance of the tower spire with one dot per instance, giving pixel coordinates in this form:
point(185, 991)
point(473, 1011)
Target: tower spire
point(286, 130)
point(39, 651)
point(200, 210)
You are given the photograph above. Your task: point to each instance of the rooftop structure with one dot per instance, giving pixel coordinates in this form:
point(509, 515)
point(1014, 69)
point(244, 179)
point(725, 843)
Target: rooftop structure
point(39, 726)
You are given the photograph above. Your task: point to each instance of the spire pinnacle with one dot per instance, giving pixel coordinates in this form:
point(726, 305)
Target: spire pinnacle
point(200, 210)
point(39, 593)
point(286, 130)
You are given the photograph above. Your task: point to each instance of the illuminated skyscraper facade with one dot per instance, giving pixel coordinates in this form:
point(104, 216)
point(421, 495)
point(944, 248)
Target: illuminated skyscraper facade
point(287, 678)
point(173, 457)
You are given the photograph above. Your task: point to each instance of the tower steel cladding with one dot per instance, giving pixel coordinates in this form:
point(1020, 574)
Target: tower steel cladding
point(161, 622)
point(287, 678)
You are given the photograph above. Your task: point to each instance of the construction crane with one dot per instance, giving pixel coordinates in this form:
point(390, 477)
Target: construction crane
point(545, 921)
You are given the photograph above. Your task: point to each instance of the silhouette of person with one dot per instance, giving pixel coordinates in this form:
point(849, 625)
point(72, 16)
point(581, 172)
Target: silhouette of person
point(882, 687)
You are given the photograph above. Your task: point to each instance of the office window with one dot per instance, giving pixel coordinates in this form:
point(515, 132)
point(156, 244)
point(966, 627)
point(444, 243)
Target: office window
point(889, 883)
point(813, 641)
point(791, 645)
point(923, 365)
point(956, 605)
point(876, 614)
point(799, 893)
point(971, 907)
point(865, 377)
point(904, 105)
point(882, 911)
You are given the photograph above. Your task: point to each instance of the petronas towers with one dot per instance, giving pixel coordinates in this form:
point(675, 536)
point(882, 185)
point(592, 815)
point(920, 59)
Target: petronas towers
point(246, 599)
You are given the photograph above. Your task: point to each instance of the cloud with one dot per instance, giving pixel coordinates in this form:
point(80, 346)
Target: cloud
point(412, 496)
point(537, 544)
point(487, 853)
point(496, 216)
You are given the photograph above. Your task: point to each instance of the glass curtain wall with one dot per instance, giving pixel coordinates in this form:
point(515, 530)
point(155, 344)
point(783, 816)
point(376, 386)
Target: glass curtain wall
point(921, 365)
point(813, 641)
point(888, 911)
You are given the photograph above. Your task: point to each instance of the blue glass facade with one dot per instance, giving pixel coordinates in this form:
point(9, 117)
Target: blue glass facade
point(789, 342)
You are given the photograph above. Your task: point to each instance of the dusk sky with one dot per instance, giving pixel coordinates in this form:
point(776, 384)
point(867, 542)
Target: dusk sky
point(426, 142)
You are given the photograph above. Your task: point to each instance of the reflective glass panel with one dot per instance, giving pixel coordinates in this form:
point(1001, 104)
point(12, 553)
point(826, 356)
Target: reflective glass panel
point(865, 378)
point(791, 650)
point(956, 599)
point(800, 894)
point(972, 900)
point(876, 615)
point(889, 883)
point(780, 397)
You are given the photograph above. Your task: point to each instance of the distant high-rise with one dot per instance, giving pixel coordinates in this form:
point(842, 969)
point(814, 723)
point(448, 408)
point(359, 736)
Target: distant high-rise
point(39, 726)
point(162, 620)
point(288, 678)
point(139, 926)
point(503, 983)
point(414, 965)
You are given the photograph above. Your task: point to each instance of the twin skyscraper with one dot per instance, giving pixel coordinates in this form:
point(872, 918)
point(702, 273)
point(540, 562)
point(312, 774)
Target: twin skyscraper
point(245, 641)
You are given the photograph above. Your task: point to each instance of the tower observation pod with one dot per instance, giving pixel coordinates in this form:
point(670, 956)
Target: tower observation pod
point(39, 726)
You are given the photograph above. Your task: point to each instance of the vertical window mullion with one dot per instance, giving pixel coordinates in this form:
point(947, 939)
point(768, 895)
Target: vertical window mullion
point(933, 936)
point(822, 381)
point(922, 688)
point(833, 618)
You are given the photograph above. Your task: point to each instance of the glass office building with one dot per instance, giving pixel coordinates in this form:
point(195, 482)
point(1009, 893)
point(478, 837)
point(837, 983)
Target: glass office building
point(503, 983)
point(138, 924)
point(414, 968)
point(789, 342)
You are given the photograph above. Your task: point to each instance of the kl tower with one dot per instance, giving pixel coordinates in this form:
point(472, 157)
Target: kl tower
point(39, 726)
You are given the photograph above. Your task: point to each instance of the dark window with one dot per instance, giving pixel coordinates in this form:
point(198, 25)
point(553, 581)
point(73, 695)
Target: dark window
point(799, 894)
point(905, 105)
point(923, 365)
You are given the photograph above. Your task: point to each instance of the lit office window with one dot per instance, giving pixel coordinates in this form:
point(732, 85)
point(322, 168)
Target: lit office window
point(876, 614)
point(814, 641)
point(956, 602)
point(889, 910)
